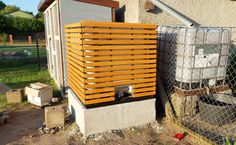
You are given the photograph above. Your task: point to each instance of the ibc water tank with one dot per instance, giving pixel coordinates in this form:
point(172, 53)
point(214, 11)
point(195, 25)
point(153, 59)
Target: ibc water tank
point(194, 57)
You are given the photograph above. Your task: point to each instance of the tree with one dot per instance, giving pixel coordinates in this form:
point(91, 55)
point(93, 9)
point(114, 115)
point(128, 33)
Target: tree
point(2, 5)
point(39, 16)
point(9, 9)
point(26, 26)
point(5, 24)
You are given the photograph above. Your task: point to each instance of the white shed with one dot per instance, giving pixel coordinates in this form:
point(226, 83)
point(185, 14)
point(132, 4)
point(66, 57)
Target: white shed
point(58, 13)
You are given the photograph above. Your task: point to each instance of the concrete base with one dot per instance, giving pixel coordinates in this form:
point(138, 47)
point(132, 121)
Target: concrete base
point(119, 116)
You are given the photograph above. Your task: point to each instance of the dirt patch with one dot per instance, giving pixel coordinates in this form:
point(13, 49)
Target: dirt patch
point(25, 121)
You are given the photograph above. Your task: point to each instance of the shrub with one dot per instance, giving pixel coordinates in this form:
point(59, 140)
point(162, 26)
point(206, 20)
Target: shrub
point(3, 37)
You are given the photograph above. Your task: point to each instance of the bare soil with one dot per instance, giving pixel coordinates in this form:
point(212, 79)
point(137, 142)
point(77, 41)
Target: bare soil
point(22, 129)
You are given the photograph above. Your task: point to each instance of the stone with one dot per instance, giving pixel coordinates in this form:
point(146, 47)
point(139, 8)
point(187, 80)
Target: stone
point(55, 100)
point(54, 116)
point(53, 131)
point(157, 127)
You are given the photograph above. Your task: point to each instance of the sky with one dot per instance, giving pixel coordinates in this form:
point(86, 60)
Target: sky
point(25, 5)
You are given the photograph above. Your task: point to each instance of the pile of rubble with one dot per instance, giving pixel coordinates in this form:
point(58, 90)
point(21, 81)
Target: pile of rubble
point(45, 130)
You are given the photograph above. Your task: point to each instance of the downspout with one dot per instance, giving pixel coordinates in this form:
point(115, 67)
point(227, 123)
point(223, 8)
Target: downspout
point(170, 11)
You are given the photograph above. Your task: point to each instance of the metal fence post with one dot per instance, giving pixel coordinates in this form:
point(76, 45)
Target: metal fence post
point(38, 56)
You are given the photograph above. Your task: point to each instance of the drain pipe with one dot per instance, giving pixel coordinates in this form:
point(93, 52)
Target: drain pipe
point(166, 8)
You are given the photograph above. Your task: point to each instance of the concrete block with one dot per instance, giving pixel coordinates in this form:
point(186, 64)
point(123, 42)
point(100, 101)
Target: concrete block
point(105, 118)
point(54, 116)
point(39, 94)
point(15, 96)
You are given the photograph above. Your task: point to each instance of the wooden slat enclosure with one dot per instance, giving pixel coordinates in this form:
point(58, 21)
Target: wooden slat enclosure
point(104, 55)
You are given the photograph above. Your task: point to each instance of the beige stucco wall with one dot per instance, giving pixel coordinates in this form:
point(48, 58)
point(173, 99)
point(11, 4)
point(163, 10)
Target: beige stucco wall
point(205, 12)
point(131, 10)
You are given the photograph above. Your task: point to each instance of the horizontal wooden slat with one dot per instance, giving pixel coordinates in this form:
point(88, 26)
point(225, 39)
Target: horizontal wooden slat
point(117, 73)
point(97, 42)
point(98, 53)
point(109, 84)
point(75, 59)
point(78, 77)
point(106, 36)
point(112, 31)
point(77, 66)
point(76, 70)
point(101, 100)
point(112, 47)
point(72, 25)
point(117, 25)
point(144, 89)
point(103, 58)
point(120, 68)
point(120, 78)
point(144, 85)
point(121, 63)
point(144, 94)
point(95, 96)
point(72, 84)
point(106, 42)
point(93, 91)
point(78, 82)
point(76, 51)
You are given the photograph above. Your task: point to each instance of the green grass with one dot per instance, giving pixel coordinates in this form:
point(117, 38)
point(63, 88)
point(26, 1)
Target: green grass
point(20, 77)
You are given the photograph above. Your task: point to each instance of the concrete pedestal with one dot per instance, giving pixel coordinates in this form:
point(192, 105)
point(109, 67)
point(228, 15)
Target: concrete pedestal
point(118, 116)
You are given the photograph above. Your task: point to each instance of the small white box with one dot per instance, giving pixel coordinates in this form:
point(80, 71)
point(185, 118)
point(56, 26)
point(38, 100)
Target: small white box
point(39, 94)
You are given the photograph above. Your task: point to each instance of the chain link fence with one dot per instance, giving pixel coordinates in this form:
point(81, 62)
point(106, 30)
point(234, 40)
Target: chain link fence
point(22, 54)
point(198, 71)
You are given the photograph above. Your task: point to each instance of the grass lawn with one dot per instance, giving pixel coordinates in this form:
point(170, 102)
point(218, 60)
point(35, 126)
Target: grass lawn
point(20, 77)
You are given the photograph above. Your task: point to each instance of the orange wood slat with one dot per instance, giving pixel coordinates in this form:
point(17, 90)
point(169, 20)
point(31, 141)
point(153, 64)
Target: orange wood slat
point(120, 78)
point(111, 31)
point(144, 94)
point(100, 100)
point(118, 73)
point(117, 83)
point(120, 68)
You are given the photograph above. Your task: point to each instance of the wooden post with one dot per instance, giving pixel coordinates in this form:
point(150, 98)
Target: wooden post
point(11, 41)
point(30, 39)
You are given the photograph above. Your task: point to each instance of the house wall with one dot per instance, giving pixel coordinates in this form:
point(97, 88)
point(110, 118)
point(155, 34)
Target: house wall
point(72, 11)
point(205, 12)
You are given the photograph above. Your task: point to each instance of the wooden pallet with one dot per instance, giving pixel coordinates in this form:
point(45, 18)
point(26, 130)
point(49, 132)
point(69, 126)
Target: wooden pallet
point(103, 55)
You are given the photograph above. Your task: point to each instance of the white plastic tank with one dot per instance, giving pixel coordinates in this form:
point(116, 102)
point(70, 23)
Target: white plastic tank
point(194, 57)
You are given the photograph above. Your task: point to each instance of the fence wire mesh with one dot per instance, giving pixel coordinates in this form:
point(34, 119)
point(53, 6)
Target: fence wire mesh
point(198, 70)
point(19, 55)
